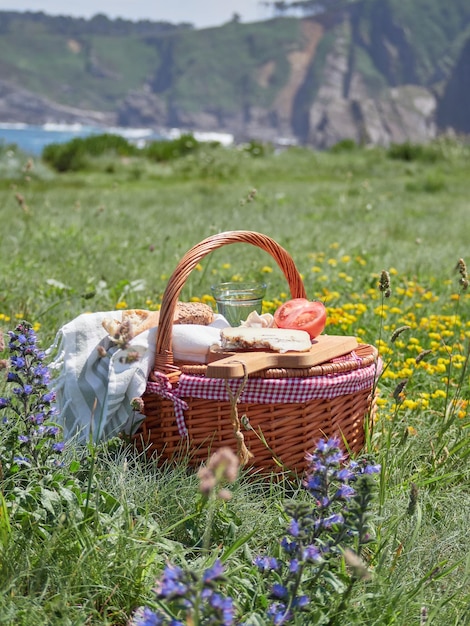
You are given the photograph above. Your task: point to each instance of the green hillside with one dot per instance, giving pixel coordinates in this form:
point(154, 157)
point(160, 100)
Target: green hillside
point(220, 65)
point(89, 70)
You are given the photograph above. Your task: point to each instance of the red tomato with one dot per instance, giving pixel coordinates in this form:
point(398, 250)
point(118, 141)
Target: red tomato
point(301, 314)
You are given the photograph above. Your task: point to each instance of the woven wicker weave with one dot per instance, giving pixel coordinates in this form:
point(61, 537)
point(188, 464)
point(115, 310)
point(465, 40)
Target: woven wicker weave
point(289, 430)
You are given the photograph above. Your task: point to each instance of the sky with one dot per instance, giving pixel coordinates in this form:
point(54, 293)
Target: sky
point(201, 13)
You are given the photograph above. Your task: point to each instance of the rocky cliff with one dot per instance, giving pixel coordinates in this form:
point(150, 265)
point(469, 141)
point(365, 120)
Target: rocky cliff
point(355, 73)
point(454, 107)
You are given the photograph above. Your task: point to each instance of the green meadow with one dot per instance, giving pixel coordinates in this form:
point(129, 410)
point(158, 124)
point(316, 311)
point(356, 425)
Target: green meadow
point(83, 541)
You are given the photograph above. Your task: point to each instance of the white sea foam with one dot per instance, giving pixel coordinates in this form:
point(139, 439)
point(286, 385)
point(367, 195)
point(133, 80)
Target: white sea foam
point(130, 133)
point(68, 128)
point(13, 125)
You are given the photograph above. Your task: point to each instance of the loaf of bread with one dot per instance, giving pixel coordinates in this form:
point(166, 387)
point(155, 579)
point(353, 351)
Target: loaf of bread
point(193, 313)
point(136, 321)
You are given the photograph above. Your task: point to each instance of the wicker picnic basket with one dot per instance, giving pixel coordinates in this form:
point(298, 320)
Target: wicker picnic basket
point(273, 417)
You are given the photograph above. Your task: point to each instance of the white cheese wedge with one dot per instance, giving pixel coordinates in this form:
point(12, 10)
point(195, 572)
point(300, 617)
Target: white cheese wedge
point(275, 339)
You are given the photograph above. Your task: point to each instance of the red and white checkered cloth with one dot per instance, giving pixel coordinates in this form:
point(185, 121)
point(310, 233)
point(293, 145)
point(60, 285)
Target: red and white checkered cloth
point(268, 390)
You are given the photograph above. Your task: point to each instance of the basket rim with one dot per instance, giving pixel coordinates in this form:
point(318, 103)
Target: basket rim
point(362, 356)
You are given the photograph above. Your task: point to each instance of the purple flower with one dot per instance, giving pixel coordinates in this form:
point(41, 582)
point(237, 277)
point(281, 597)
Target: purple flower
point(224, 606)
point(266, 563)
point(18, 362)
point(278, 613)
point(48, 397)
point(345, 474)
point(328, 522)
point(312, 553)
point(294, 528)
point(42, 374)
point(279, 591)
point(334, 458)
point(22, 460)
point(171, 583)
point(146, 617)
point(23, 438)
point(344, 492)
point(13, 378)
point(37, 419)
point(294, 565)
point(326, 446)
point(214, 572)
point(58, 447)
point(289, 546)
point(314, 483)
point(372, 469)
point(4, 402)
point(301, 601)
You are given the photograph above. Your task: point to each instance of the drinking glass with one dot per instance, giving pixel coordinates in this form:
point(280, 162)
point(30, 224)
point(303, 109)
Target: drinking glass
point(235, 301)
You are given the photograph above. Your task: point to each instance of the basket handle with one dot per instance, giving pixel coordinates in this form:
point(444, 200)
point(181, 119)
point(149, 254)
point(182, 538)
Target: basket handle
point(164, 354)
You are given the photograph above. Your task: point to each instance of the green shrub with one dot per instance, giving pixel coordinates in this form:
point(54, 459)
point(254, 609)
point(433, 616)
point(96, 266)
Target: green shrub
point(345, 145)
point(75, 155)
point(256, 148)
point(407, 151)
point(65, 157)
point(173, 149)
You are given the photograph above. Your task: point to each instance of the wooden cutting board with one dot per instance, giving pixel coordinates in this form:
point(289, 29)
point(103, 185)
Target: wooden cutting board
point(324, 348)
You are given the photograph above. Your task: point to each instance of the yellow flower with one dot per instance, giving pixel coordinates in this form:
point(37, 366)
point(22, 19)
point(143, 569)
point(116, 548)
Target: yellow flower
point(266, 269)
point(121, 305)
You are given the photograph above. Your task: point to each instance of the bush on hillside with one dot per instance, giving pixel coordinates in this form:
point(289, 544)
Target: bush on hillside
point(408, 151)
point(161, 151)
point(74, 155)
point(345, 145)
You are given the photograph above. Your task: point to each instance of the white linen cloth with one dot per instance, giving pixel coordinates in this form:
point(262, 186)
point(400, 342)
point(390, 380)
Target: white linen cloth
point(94, 391)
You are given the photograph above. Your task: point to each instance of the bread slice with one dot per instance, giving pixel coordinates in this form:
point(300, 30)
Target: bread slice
point(274, 339)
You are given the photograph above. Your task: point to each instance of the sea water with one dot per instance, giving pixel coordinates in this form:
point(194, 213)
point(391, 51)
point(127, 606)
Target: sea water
point(33, 139)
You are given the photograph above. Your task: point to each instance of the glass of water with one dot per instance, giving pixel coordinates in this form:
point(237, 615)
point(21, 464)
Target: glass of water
point(235, 301)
